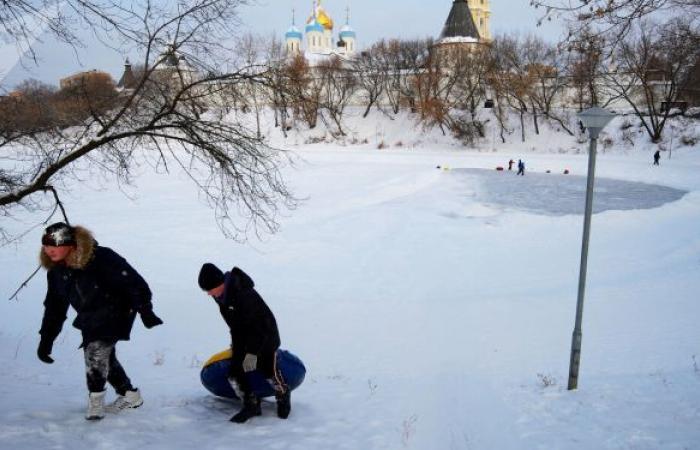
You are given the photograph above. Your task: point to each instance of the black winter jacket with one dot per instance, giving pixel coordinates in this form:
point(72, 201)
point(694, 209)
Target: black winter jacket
point(100, 285)
point(252, 324)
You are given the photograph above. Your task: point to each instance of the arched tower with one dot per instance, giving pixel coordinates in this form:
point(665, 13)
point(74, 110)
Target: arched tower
point(481, 12)
point(348, 37)
point(293, 38)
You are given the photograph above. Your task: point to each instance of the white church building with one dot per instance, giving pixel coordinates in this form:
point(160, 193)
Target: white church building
point(318, 38)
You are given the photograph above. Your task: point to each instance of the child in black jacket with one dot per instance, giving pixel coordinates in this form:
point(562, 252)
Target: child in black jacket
point(106, 293)
point(254, 337)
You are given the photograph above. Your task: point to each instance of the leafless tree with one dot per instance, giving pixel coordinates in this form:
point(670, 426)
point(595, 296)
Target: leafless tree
point(430, 90)
point(414, 55)
point(547, 66)
point(90, 94)
point(691, 91)
point(28, 110)
point(470, 69)
point(166, 119)
point(392, 64)
point(652, 68)
point(277, 93)
point(338, 84)
point(250, 48)
point(371, 76)
point(585, 66)
point(449, 86)
point(511, 78)
point(304, 89)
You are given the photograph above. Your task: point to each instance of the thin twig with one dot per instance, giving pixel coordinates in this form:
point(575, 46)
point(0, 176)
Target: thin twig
point(21, 236)
point(24, 285)
point(58, 202)
point(19, 344)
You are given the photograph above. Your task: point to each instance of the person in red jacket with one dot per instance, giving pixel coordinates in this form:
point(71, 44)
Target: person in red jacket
point(254, 337)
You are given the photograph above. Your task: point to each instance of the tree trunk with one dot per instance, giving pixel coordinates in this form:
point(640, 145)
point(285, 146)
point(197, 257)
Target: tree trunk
point(369, 107)
point(257, 121)
point(338, 118)
point(534, 119)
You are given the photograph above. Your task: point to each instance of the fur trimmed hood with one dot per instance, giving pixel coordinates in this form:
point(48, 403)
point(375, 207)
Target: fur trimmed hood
point(80, 256)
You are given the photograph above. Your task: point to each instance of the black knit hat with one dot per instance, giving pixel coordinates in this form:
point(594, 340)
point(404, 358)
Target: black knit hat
point(58, 234)
point(210, 277)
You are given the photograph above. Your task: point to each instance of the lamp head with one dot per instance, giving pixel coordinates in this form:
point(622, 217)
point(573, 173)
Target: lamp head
point(595, 119)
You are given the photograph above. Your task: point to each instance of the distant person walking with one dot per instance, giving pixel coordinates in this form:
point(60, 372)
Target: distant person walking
point(521, 167)
point(657, 156)
point(510, 164)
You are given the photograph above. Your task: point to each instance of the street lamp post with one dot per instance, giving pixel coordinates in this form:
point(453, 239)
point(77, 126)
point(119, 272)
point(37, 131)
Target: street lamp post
point(488, 104)
point(594, 120)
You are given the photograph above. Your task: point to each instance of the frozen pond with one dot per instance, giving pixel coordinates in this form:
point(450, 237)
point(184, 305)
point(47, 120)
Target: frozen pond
point(564, 194)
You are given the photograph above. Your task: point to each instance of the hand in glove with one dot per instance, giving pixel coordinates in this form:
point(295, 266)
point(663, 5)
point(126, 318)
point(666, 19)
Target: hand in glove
point(44, 351)
point(149, 318)
point(250, 362)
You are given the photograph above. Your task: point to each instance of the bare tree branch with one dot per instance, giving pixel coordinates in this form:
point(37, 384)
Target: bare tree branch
point(611, 19)
point(178, 109)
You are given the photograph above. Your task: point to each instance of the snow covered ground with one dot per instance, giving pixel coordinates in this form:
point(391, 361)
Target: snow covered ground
point(433, 308)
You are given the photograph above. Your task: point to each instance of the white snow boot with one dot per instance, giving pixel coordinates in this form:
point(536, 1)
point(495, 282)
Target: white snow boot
point(96, 406)
point(130, 400)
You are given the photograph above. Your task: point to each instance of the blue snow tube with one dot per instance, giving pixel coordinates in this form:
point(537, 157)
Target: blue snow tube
point(214, 374)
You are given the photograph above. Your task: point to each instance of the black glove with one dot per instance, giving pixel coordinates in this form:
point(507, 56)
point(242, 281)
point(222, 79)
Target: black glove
point(149, 318)
point(44, 351)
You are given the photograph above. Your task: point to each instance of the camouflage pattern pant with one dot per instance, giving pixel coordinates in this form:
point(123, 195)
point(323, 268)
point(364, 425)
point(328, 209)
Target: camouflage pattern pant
point(102, 366)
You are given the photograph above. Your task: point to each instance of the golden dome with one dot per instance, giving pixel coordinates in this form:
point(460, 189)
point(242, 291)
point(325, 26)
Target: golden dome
point(322, 18)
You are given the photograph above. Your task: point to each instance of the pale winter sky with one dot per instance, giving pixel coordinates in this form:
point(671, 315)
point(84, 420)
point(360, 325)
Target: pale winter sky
point(372, 19)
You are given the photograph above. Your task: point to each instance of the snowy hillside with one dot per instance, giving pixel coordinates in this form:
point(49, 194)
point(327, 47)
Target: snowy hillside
point(625, 134)
point(433, 308)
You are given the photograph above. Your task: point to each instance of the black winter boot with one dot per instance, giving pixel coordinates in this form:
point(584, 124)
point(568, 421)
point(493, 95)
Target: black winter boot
point(251, 408)
point(284, 403)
